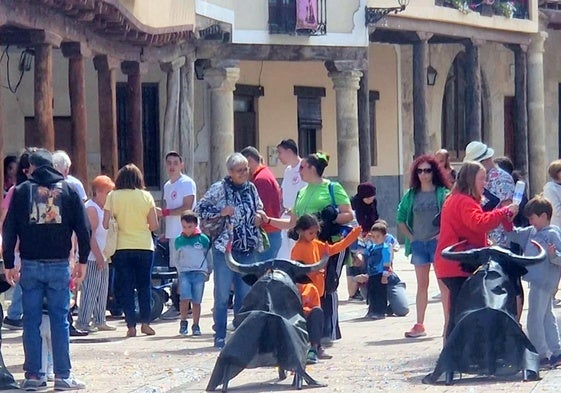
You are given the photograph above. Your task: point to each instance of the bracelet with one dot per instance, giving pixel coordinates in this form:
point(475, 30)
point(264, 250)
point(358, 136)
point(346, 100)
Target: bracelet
point(165, 212)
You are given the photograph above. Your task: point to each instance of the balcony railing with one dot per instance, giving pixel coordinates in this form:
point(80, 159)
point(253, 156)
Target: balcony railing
point(509, 8)
point(298, 17)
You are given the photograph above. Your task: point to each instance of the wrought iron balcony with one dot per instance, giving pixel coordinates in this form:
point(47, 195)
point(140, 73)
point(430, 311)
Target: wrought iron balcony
point(508, 8)
point(298, 17)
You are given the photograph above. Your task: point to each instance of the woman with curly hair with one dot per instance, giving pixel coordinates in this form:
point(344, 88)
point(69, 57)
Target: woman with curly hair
point(418, 219)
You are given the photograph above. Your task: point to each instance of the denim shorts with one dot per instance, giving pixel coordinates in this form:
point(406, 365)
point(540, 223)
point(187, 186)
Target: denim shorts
point(192, 286)
point(422, 252)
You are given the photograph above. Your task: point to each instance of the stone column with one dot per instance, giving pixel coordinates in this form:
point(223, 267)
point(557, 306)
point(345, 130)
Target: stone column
point(186, 118)
point(420, 117)
point(536, 114)
point(473, 92)
point(171, 116)
point(346, 84)
point(222, 79)
point(77, 94)
point(135, 143)
point(44, 133)
point(107, 103)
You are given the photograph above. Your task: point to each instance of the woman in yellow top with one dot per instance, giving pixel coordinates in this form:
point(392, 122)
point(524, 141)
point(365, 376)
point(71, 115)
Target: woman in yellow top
point(135, 212)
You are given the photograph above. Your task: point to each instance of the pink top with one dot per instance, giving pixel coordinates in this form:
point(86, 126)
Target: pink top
point(8, 198)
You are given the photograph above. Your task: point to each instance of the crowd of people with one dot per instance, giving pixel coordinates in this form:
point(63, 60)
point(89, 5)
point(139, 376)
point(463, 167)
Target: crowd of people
point(55, 238)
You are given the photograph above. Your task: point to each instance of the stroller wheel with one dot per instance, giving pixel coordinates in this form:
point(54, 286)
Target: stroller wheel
point(156, 305)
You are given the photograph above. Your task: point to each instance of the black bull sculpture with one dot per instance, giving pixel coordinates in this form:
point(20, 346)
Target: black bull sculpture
point(487, 338)
point(270, 327)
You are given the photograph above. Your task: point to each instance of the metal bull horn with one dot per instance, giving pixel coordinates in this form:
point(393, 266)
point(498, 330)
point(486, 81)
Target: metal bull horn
point(482, 255)
point(259, 268)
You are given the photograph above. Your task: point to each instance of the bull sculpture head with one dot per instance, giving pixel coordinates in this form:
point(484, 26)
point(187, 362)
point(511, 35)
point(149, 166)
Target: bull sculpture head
point(471, 259)
point(292, 268)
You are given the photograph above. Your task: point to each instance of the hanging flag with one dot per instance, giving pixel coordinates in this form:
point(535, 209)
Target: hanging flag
point(307, 15)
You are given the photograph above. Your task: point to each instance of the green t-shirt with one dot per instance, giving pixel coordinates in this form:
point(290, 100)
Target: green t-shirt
point(314, 197)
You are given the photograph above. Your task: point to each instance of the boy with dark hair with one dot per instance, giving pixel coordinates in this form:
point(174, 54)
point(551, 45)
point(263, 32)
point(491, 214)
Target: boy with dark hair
point(543, 277)
point(194, 269)
point(378, 261)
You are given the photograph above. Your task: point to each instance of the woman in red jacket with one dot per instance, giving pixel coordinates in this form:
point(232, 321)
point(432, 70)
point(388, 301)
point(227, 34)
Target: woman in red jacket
point(462, 218)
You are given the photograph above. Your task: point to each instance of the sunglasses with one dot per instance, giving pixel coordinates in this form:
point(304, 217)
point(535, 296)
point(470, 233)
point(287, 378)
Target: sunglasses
point(423, 170)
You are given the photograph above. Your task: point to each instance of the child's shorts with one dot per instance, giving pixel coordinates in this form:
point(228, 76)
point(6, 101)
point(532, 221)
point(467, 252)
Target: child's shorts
point(422, 252)
point(192, 286)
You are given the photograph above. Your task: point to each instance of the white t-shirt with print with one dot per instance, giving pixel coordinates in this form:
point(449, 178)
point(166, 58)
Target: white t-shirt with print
point(173, 195)
point(291, 184)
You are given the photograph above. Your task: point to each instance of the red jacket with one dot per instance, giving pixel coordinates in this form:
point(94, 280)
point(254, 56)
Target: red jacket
point(462, 218)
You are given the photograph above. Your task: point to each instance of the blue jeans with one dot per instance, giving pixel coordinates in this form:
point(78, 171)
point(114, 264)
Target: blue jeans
point(50, 281)
point(275, 241)
point(15, 310)
point(223, 280)
point(133, 271)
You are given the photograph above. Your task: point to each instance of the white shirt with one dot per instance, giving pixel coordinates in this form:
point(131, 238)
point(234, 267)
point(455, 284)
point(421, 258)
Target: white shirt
point(174, 193)
point(77, 186)
point(100, 232)
point(291, 184)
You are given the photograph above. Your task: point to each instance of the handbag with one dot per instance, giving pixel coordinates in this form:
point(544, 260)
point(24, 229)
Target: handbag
point(214, 226)
point(111, 239)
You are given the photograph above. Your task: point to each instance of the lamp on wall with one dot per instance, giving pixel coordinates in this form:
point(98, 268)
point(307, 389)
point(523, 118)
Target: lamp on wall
point(431, 73)
point(374, 14)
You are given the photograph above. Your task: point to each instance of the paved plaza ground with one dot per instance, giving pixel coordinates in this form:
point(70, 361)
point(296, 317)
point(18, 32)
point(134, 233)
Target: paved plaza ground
point(372, 356)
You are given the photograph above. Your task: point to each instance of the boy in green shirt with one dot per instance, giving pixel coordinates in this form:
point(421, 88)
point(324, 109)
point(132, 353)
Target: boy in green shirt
point(193, 267)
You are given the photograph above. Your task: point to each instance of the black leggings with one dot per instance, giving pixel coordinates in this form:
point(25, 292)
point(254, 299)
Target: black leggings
point(454, 284)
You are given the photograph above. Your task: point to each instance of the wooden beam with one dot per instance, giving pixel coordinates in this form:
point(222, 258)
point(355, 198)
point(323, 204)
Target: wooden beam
point(135, 143)
point(44, 132)
point(77, 95)
point(75, 50)
point(107, 104)
point(37, 16)
point(216, 50)
point(455, 30)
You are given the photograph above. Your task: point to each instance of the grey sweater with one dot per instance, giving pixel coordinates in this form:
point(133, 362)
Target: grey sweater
point(545, 274)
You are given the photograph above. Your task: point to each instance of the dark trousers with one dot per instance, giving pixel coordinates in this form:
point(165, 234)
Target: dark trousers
point(133, 271)
point(377, 295)
point(454, 284)
point(314, 323)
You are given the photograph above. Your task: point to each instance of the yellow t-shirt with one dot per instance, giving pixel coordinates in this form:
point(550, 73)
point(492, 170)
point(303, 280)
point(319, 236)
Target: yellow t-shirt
point(131, 209)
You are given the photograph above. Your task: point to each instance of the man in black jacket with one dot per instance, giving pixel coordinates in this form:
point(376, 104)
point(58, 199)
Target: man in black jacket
point(43, 214)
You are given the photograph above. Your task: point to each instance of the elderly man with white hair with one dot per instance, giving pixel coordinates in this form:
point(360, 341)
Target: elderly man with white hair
point(62, 163)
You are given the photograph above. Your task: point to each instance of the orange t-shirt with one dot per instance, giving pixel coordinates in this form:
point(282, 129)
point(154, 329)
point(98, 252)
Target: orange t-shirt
point(312, 252)
point(310, 297)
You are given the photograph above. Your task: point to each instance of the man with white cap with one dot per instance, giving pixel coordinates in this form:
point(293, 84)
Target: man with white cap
point(499, 186)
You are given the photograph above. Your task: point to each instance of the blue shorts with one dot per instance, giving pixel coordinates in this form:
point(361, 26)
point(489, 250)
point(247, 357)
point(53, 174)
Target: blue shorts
point(422, 252)
point(192, 286)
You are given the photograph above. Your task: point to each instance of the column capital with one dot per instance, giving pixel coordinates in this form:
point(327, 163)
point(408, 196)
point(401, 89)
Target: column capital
point(424, 36)
point(222, 78)
point(74, 50)
point(345, 65)
point(43, 37)
point(537, 43)
point(173, 65)
point(105, 63)
point(346, 79)
point(134, 68)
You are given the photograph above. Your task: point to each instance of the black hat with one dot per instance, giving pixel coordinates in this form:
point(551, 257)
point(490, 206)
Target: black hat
point(41, 157)
point(366, 190)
